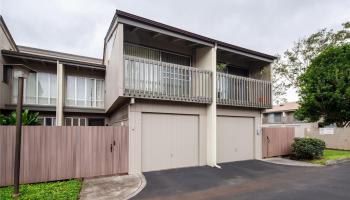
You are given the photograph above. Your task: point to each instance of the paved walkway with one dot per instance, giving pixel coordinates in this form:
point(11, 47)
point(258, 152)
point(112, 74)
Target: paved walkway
point(248, 180)
point(112, 187)
point(286, 161)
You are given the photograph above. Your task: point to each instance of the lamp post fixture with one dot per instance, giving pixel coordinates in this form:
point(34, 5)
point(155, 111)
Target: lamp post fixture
point(20, 72)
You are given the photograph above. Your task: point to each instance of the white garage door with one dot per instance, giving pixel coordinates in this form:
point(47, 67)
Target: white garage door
point(169, 141)
point(235, 139)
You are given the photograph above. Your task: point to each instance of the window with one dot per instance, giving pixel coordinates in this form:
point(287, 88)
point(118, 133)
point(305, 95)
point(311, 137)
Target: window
point(277, 117)
point(47, 121)
point(274, 117)
point(96, 121)
point(148, 73)
point(84, 92)
point(75, 121)
point(174, 58)
point(155, 54)
point(39, 88)
point(6, 73)
point(270, 118)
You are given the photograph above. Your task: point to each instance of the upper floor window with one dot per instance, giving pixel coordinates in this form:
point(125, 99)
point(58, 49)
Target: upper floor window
point(84, 92)
point(39, 88)
point(274, 117)
point(156, 54)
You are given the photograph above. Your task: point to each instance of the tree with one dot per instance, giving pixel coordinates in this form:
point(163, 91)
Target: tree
point(288, 67)
point(324, 88)
point(28, 118)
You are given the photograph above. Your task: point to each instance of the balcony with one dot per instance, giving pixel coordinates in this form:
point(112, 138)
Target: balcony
point(146, 78)
point(241, 91)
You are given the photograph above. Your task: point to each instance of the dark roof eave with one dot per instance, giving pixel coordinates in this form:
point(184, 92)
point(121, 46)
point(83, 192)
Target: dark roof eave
point(186, 33)
point(51, 59)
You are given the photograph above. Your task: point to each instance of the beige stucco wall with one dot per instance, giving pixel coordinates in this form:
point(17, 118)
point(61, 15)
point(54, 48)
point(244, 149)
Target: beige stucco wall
point(339, 140)
point(4, 88)
point(299, 129)
point(242, 112)
point(206, 59)
point(135, 124)
point(114, 69)
point(118, 116)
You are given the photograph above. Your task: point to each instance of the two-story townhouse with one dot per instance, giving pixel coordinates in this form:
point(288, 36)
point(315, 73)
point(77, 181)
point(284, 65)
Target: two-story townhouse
point(65, 89)
point(160, 81)
point(163, 82)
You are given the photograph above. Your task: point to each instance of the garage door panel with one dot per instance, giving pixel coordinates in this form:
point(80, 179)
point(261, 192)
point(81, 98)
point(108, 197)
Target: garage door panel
point(235, 139)
point(186, 142)
point(169, 141)
point(152, 141)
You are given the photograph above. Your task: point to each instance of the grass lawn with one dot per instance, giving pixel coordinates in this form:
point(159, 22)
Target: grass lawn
point(52, 190)
point(329, 154)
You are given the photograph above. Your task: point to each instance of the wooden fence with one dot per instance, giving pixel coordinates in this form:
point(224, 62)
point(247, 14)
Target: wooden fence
point(277, 141)
point(64, 152)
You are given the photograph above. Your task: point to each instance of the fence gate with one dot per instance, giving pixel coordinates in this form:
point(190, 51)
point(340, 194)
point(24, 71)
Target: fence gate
point(277, 141)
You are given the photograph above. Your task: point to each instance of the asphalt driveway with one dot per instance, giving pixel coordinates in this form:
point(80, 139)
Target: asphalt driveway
point(249, 180)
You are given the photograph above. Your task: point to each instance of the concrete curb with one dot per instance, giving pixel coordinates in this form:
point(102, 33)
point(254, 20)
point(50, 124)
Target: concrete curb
point(112, 187)
point(338, 161)
point(142, 185)
point(289, 162)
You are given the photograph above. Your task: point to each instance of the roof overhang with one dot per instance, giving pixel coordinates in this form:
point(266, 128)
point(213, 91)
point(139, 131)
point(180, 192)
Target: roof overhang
point(140, 22)
point(49, 59)
point(250, 55)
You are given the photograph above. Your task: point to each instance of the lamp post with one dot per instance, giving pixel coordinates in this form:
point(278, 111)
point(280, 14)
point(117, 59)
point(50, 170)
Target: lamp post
point(20, 72)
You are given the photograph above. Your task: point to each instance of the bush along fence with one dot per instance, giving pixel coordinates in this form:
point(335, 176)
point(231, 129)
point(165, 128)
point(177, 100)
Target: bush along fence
point(335, 138)
point(64, 152)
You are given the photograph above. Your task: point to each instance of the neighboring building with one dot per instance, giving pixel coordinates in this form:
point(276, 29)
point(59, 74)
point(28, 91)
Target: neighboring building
point(162, 83)
point(283, 115)
point(66, 90)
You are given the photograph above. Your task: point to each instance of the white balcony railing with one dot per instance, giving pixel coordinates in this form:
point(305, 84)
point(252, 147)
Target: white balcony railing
point(147, 78)
point(241, 91)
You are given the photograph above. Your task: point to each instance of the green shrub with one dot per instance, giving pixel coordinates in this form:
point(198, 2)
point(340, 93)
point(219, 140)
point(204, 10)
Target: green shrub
point(28, 118)
point(307, 148)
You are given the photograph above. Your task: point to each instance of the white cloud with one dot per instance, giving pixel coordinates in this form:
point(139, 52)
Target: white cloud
point(79, 26)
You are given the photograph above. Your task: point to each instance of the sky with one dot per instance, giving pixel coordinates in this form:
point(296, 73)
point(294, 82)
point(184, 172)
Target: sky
point(79, 26)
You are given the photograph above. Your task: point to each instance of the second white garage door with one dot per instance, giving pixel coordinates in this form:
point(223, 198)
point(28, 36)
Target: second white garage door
point(235, 139)
point(169, 141)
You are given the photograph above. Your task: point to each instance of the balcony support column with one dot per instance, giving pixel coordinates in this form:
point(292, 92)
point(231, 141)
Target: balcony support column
point(211, 112)
point(60, 94)
point(206, 59)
